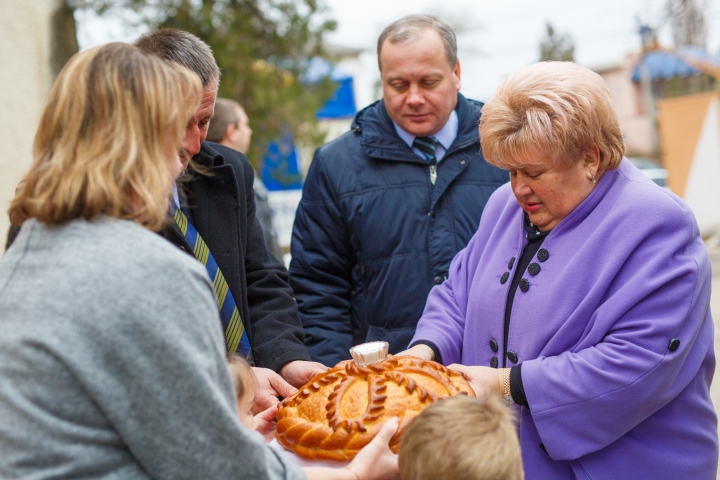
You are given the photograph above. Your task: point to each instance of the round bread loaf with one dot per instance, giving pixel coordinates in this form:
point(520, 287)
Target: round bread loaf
point(339, 411)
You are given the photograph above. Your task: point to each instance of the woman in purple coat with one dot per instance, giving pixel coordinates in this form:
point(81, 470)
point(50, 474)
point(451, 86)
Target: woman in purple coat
point(583, 298)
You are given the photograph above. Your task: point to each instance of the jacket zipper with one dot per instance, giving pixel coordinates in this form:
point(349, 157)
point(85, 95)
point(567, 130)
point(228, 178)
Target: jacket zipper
point(433, 173)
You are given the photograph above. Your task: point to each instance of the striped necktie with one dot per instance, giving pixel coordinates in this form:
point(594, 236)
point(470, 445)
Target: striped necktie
point(428, 146)
point(235, 335)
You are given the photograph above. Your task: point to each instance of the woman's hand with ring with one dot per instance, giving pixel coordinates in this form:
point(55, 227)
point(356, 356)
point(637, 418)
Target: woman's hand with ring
point(483, 380)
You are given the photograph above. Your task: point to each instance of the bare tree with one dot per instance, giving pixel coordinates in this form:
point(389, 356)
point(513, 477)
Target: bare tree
point(556, 47)
point(687, 18)
point(465, 27)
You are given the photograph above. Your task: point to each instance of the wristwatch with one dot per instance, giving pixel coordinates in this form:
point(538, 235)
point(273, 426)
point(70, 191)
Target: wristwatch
point(507, 396)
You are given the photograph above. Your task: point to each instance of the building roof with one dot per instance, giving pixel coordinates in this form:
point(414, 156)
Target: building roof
point(662, 64)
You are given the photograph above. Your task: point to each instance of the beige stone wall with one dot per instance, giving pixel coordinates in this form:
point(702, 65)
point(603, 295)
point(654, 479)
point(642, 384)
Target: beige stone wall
point(25, 77)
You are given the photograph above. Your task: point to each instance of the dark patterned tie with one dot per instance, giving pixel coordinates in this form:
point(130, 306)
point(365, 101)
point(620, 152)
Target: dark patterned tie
point(236, 337)
point(428, 146)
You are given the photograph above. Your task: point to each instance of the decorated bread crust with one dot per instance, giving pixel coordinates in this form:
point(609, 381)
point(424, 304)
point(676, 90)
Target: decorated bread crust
point(339, 411)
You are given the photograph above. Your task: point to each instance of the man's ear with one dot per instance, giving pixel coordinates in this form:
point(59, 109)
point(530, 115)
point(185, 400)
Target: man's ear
point(230, 132)
point(456, 74)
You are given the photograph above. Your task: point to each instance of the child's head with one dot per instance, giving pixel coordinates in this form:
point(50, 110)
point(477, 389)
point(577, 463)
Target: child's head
point(461, 437)
point(244, 380)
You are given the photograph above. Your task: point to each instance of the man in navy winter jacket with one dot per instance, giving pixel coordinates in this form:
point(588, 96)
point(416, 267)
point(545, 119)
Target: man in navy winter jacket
point(387, 205)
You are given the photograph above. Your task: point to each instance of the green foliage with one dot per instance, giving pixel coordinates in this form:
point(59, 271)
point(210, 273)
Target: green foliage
point(556, 47)
point(262, 48)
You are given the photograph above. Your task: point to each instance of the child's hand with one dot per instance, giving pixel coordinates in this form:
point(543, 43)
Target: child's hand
point(265, 423)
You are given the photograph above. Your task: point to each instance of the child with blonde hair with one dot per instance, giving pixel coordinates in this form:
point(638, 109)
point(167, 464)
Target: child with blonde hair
point(462, 437)
point(244, 381)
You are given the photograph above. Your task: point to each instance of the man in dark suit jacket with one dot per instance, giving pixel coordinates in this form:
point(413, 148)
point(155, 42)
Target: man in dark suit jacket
point(217, 190)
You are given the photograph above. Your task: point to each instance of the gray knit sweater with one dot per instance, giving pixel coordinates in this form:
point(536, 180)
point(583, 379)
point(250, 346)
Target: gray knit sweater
point(112, 362)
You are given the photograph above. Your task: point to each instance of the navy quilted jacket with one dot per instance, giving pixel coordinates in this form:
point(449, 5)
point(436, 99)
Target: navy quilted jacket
point(372, 235)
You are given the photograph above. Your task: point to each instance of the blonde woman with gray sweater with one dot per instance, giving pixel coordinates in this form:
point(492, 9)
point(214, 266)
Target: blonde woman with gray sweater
point(111, 354)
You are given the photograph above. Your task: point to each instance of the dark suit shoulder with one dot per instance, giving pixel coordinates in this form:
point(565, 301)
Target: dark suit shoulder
point(215, 155)
point(212, 149)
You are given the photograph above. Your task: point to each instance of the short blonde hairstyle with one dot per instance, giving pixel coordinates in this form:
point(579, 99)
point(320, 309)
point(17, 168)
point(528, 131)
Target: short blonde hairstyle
point(557, 109)
point(101, 144)
point(461, 437)
point(242, 375)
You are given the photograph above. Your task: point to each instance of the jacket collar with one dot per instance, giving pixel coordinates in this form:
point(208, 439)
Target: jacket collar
point(208, 156)
point(197, 185)
point(379, 139)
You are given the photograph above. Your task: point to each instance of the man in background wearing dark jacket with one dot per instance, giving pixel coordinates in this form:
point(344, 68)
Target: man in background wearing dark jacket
point(387, 206)
point(230, 126)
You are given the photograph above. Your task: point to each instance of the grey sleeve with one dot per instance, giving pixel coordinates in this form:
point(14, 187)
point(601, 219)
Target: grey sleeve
point(161, 380)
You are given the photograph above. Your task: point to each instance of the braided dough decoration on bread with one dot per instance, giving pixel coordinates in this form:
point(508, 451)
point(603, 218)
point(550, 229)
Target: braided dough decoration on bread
point(339, 411)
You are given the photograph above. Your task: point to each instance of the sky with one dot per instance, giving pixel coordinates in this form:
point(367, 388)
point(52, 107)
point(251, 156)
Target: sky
point(495, 37)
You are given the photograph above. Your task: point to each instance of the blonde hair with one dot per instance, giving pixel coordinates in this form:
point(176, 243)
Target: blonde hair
point(101, 144)
point(557, 109)
point(461, 437)
point(242, 375)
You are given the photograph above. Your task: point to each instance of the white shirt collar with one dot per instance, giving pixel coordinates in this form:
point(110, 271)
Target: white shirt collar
point(446, 136)
point(176, 196)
